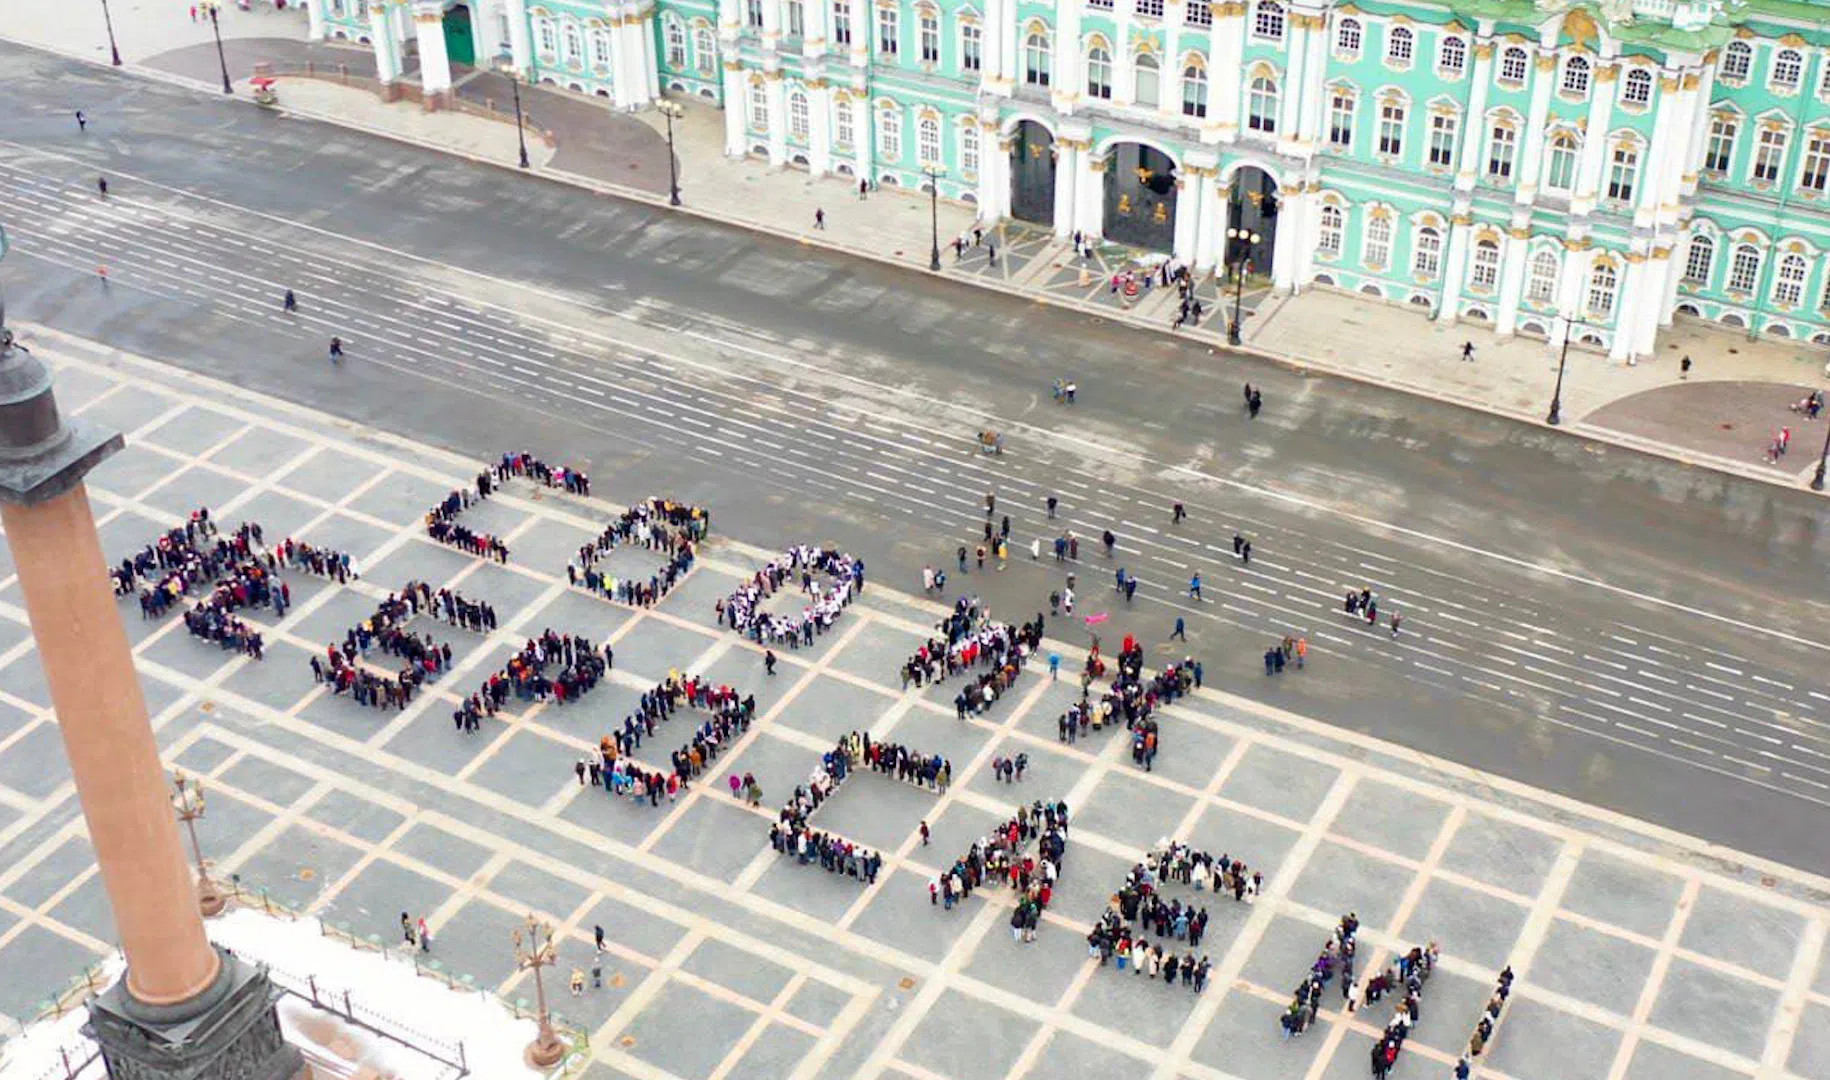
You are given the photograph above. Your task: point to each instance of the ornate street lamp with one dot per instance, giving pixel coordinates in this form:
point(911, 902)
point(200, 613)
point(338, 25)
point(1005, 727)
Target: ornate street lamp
point(506, 65)
point(1556, 395)
point(533, 952)
point(1239, 245)
point(187, 799)
point(216, 28)
point(934, 173)
point(108, 21)
point(672, 111)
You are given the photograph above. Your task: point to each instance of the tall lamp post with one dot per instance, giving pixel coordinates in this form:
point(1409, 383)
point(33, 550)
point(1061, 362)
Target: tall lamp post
point(1823, 460)
point(672, 111)
point(506, 65)
point(187, 799)
point(108, 21)
point(1239, 245)
point(533, 952)
point(1556, 395)
point(934, 173)
point(222, 61)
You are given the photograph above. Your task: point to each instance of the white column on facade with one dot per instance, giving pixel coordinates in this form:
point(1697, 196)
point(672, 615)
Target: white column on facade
point(1289, 105)
point(1474, 131)
point(1226, 63)
point(1595, 149)
point(819, 127)
point(1303, 272)
point(1674, 276)
point(1188, 214)
point(1531, 158)
point(1455, 266)
point(996, 26)
point(1065, 82)
point(434, 64)
point(381, 39)
point(736, 107)
point(1212, 221)
point(1288, 238)
point(865, 119)
point(994, 175)
point(1570, 281)
point(1315, 97)
point(1011, 58)
point(1650, 306)
point(1700, 86)
point(1089, 192)
point(1123, 83)
point(1513, 251)
point(1068, 157)
point(1658, 154)
point(1169, 73)
point(1628, 303)
point(651, 64)
point(314, 19)
point(863, 32)
point(520, 44)
point(776, 91)
point(814, 28)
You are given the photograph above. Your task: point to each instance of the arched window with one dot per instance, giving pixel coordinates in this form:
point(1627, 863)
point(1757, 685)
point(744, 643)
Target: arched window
point(889, 134)
point(797, 114)
point(1788, 69)
point(1737, 61)
point(1146, 81)
point(928, 26)
point(676, 44)
point(1623, 171)
point(1341, 104)
point(1789, 282)
point(1261, 105)
point(1699, 260)
point(1036, 58)
point(1637, 88)
point(794, 14)
point(1452, 56)
point(600, 47)
point(1328, 233)
point(1391, 128)
point(1399, 46)
point(1719, 152)
point(1426, 260)
point(1268, 21)
point(1514, 62)
point(1541, 282)
point(1502, 149)
point(1770, 153)
point(705, 51)
point(969, 149)
point(1377, 251)
point(1486, 272)
point(1194, 91)
point(927, 141)
point(759, 107)
point(1602, 281)
point(1744, 268)
point(543, 29)
point(1099, 73)
point(1576, 77)
point(1560, 170)
point(575, 46)
point(843, 129)
point(1347, 38)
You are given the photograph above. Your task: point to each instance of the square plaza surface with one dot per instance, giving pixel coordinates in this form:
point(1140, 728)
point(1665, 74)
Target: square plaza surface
point(1637, 956)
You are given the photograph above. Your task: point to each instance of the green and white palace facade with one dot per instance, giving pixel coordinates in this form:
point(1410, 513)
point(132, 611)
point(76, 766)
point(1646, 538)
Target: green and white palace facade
point(1535, 168)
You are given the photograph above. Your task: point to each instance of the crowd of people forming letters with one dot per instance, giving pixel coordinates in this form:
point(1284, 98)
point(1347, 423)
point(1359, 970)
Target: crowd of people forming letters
point(745, 612)
point(968, 640)
point(1141, 930)
point(659, 525)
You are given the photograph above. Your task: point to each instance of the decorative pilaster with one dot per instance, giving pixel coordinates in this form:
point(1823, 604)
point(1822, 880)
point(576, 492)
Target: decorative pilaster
point(1212, 221)
point(1227, 67)
point(1595, 141)
point(1068, 157)
point(1474, 124)
point(387, 50)
point(1289, 238)
point(776, 92)
point(520, 41)
point(1513, 253)
point(434, 64)
point(736, 108)
point(1454, 267)
point(1531, 159)
point(819, 127)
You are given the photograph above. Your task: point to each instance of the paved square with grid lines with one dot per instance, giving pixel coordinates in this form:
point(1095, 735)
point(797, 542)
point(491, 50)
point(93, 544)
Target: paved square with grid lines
point(1640, 954)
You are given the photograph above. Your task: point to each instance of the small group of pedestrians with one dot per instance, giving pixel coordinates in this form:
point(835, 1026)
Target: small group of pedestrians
point(1364, 604)
point(421, 656)
point(443, 526)
point(1483, 1028)
point(1292, 651)
point(1408, 977)
point(1336, 958)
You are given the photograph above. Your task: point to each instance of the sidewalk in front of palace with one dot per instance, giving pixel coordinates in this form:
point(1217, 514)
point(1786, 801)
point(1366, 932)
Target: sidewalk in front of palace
point(1722, 416)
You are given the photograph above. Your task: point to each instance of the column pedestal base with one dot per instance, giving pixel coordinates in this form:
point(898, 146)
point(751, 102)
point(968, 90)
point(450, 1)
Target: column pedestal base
point(229, 1031)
